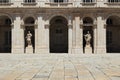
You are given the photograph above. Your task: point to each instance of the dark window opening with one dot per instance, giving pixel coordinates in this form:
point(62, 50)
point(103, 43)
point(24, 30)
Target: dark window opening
point(29, 1)
point(87, 0)
point(113, 0)
point(4, 1)
point(58, 0)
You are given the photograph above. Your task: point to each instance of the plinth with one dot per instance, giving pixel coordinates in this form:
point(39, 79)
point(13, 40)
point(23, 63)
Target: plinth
point(88, 49)
point(29, 49)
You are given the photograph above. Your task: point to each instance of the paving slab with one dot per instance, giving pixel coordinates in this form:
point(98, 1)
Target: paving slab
point(59, 67)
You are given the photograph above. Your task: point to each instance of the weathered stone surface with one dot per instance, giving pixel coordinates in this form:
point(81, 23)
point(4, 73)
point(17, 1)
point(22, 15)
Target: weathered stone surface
point(59, 67)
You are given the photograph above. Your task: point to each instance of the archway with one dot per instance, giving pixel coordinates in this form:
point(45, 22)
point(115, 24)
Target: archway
point(5, 34)
point(58, 35)
point(88, 27)
point(113, 34)
point(29, 27)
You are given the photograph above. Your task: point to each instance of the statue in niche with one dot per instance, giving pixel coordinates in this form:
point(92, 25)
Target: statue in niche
point(87, 38)
point(28, 38)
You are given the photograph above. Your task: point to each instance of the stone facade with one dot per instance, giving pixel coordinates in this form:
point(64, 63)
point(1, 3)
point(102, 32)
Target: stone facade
point(59, 27)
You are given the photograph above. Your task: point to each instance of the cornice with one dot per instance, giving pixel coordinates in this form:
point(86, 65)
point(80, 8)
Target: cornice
point(73, 10)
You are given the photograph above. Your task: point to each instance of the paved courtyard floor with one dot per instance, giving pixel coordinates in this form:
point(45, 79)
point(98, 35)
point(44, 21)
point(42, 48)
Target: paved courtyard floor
point(59, 67)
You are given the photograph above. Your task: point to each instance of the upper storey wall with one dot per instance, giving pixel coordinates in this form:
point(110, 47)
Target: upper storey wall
point(60, 3)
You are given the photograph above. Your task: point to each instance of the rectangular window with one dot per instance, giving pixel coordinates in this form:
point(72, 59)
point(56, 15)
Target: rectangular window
point(58, 1)
point(112, 1)
point(88, 1)
point(4, 1)
point(29, 1)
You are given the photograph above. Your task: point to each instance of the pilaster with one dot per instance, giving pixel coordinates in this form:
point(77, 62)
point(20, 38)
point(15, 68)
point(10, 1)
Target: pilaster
point(70, 27)
point(101, 35)
point(41, 35)
point(79, 36)
point(17, 35)
point(70, 35)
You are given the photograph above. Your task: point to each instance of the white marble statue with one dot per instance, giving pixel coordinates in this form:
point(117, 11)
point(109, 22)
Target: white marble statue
point(28, 38)
point(87, 38)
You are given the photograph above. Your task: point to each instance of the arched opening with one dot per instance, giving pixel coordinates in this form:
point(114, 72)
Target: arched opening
point(29, 33)
point(58, 35)
point(5, 34)
point(113, 34)
point(88, 28)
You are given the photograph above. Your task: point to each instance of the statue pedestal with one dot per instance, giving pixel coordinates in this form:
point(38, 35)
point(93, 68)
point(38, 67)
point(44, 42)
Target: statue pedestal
point(88, 49)
point(29, 49)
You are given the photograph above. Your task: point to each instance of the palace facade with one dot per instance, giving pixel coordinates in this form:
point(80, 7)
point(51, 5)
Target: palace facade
point(59, 26)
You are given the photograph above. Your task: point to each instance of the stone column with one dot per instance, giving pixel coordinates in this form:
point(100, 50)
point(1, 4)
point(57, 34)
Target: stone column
point(101, 35)
point(36, 37)
point(79, 36)
point(17, 36)
point(70, 39)
point(47, 38)
point(73, 36)
point(95, 39)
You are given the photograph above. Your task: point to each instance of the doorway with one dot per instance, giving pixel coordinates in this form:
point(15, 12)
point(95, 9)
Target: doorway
point(58, 35)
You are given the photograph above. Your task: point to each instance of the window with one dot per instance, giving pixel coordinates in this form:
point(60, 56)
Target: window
point(58, 0)
point(4, 1)
point(29, 1)
point(85, 1)
point(113, 1)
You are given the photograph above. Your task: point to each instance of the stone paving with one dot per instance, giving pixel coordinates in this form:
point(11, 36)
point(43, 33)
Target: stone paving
point(59, 67)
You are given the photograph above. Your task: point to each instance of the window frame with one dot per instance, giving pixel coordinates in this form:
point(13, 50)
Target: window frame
point(59, 1)
point(113, 1)
point(29, 1)
point(4, 1)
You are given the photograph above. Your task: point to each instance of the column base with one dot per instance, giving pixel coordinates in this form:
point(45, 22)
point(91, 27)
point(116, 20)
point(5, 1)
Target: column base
point(42, 51)
point(101, 50)
point(77, 51)
point(18, 50)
